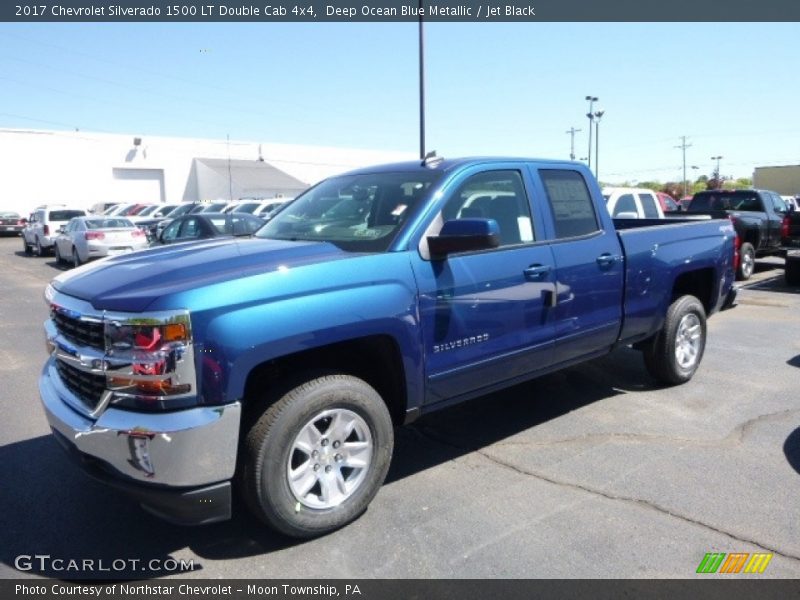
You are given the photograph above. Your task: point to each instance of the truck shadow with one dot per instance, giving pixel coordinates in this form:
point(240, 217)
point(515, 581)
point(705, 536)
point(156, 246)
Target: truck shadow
point(791, 449)
point(52, 509)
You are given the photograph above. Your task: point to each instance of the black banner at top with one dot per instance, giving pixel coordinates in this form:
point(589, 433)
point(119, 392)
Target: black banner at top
point(398, 11)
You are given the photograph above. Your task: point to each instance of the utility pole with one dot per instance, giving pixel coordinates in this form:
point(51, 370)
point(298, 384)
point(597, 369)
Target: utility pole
point(572, 131)
point(716, 173)
point(683, 147)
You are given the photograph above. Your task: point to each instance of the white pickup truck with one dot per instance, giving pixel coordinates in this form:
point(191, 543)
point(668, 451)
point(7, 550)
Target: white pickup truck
point(632, 203)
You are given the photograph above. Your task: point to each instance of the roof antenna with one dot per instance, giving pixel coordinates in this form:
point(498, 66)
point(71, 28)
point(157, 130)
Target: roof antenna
point(431, 160)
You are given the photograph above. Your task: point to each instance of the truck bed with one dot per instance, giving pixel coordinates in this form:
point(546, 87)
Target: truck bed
point(657, 252)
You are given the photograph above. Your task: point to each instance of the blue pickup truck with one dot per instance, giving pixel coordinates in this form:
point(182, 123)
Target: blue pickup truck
point(280, 364)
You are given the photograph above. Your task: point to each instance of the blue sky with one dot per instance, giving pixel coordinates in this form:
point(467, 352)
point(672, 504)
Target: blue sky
point(492, 88)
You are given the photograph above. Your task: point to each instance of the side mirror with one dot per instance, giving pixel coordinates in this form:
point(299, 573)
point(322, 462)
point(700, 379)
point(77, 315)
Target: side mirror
point(62, 229)
point(464, 235)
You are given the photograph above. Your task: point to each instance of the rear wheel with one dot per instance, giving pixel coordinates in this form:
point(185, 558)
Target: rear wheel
point(314, 460)
point(26, 247)
point(747, 262)
point(39, 248)
point(674, 354)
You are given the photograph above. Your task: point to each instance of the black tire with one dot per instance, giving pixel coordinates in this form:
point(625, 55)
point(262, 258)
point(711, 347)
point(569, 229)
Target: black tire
point(39, 249)
point(271, 449)
point(76, 260)
point(791, 271)
point(673, 355)
point(26, 247)
point(747, 262)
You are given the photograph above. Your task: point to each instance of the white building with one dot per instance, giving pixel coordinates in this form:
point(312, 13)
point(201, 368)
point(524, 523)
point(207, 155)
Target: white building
point(80, 168)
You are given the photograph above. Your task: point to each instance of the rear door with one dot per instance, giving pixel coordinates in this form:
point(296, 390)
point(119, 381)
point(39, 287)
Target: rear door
point(589, 264)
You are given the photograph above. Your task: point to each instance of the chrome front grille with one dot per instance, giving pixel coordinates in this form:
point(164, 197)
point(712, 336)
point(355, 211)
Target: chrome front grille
point(87, 386)
point(80, 331)
point(139, 361)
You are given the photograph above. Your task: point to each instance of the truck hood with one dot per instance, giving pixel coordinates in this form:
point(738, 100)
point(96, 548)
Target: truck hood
point(131, 282)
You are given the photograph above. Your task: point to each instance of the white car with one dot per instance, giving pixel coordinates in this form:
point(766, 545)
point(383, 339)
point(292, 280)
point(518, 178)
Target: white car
point(84, 238)
point(632, 203)
point(270, 207)
point(40, 233)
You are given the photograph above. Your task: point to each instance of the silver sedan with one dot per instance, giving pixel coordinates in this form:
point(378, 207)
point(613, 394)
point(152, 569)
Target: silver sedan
point(84, 238)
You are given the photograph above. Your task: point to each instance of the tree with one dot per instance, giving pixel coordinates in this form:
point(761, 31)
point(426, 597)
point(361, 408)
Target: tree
point(672, 188)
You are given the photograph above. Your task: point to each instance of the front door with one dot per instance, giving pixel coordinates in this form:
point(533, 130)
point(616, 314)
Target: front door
point(486, 315)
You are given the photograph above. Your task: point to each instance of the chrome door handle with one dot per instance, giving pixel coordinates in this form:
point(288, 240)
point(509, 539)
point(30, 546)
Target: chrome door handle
point(607, 260)
point(536, 272)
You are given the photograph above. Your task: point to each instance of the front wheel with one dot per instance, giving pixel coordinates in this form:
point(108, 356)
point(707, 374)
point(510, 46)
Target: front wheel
point(314, 460)
point(674, 354)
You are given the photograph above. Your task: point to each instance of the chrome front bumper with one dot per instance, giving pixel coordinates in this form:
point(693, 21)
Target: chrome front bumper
point(177, 464)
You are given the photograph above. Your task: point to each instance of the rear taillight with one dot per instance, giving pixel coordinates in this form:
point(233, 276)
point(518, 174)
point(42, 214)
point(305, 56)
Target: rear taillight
point(138, 233)
point(46, 229)
point(737, 243)
point(94, 235)
point(785, 227)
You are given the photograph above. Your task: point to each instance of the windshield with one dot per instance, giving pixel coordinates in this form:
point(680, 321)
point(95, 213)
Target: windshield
point(65, 215)
point(109, 223)
point(358, 213)
point(147, 210)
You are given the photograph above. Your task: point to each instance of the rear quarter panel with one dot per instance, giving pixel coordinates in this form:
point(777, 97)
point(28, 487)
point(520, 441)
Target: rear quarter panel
point(657, 254)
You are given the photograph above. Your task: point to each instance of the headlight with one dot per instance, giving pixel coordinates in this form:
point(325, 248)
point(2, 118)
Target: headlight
point(150, 360)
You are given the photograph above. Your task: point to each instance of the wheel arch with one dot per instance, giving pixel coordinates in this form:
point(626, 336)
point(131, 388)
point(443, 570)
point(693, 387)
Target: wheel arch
point(376, 359)
point(699, 283)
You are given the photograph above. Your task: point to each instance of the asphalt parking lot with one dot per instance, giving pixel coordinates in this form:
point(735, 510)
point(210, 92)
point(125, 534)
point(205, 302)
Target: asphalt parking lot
point(593, 472)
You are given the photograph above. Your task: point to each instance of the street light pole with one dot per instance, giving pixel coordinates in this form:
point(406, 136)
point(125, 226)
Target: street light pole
point(421, 87)
point(590, 114)
point(598, 115)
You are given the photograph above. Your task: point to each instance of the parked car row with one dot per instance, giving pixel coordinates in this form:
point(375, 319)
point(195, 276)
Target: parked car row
point(765, 223)
point(84, 237)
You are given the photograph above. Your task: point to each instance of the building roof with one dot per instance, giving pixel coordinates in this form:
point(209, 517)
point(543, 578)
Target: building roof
point(222, 178)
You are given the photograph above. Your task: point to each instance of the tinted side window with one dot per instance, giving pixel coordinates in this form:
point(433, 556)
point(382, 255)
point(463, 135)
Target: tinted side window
point(171, 232)
point(778, 204)
point(191, 228)
point(573, 209)
point(625, 203)
point(649, 206)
